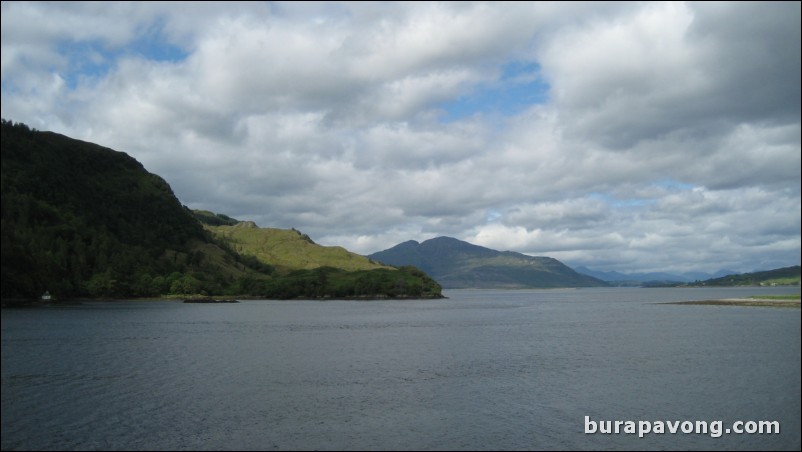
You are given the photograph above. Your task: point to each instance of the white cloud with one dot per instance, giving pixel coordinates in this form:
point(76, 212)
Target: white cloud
point(669, 138)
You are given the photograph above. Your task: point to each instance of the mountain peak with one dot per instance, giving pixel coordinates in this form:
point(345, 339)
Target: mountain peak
point(443, 239)
point(445, 244)
point(458, 264)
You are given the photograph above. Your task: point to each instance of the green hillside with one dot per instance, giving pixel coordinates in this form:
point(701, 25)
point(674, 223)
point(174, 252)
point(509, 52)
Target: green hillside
point(81, 220)
point(311, 270)
point(289, 249)
point(786, 276)
point(457, 264)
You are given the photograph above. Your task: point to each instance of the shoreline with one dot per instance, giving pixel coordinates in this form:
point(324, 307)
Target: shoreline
point(30, 303)
point(750, 302)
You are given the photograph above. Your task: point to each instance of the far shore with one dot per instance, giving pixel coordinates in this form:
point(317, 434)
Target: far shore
point(36, 302)
point(752, 301)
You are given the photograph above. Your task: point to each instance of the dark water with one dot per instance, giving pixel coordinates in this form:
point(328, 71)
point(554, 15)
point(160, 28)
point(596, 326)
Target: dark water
point(481, 370)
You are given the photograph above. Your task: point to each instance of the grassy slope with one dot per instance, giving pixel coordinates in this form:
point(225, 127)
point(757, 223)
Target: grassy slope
point(220, 262)
point(288, 249)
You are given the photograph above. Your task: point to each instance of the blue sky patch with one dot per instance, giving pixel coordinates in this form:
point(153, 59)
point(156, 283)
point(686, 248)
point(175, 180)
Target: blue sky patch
point(156, 48)
point(613, 201)
point(94, 59)
point(87, 60)
point(492, 215)
point(674, 185)
point(519, 87)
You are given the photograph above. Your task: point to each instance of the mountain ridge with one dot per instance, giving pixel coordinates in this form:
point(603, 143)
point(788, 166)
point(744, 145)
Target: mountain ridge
point(458, 264)
point(775, 277)
point(637, 278)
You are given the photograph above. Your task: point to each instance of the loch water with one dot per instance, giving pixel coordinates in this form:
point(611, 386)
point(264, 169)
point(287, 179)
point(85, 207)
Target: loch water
point(481, 370)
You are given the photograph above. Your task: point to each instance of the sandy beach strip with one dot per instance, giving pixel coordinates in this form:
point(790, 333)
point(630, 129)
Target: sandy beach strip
point(759, 302)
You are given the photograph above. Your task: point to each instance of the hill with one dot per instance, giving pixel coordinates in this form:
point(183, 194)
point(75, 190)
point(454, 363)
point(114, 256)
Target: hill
point(645, 279)
point(289, 249)
point(457, 264)
point(786, 276)
point(81, 220)
point(312, 270)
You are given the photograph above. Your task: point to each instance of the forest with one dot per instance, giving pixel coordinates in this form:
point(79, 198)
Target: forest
point(82, 220)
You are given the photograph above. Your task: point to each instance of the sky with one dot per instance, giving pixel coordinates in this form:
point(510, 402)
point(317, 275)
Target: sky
point(631, 137)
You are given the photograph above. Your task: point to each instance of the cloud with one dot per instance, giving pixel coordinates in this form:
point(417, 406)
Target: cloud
point(740, 220)
point(672, 67)
point(621, 136)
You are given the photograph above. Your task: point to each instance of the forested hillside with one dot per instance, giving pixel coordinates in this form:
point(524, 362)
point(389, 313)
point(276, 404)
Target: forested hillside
point(81, 220)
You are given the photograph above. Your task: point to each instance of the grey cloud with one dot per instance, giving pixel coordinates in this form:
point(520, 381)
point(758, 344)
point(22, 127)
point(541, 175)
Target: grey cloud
point(758, 62)
point(326, 117)
point(643, 79)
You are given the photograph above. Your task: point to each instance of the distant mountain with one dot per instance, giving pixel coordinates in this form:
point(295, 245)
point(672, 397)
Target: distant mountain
point(635, 279)
point(457, 264)
point(701, 276)
point(786, 276)
point(81, 220)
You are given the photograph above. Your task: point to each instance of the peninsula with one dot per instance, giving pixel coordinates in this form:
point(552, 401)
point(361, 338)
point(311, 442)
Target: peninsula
point(779, 301)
